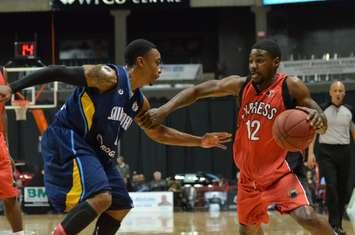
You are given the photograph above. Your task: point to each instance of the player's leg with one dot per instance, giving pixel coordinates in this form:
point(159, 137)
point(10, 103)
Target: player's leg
point(13, 213)
point(250, 230)
point(290, 197)
point(310, 220)
point(75, 180)
point(8, 192)
point(251, 208)
point(109, 222)
point(83, 214)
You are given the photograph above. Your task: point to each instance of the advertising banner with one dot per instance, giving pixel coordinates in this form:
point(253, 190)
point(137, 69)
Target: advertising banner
point(118, 4)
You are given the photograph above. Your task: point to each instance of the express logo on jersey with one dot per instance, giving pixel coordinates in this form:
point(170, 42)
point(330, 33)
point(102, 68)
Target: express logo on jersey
point(259, 108)
point(270, 94)
point(117, 114)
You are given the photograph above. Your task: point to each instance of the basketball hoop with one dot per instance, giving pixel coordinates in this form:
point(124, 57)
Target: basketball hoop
point(20, 107)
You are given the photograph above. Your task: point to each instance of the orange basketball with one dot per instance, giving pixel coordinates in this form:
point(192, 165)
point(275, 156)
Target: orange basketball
point(292, 131)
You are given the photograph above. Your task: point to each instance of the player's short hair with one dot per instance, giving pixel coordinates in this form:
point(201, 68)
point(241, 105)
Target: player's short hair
point(268, 45)
point(136, 48)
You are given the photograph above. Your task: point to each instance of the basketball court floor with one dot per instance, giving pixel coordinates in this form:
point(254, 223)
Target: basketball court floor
point(179, 223)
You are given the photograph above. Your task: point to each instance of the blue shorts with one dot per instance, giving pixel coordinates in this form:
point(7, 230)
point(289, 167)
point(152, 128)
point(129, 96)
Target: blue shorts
point(74, 172)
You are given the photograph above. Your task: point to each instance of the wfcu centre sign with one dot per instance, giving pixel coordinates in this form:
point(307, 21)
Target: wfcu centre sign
point(118, 4)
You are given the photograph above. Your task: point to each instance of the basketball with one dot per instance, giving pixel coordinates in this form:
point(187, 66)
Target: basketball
point(292, 131)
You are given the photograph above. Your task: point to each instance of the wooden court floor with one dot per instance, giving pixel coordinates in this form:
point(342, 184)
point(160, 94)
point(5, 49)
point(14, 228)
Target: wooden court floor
point(182, 223)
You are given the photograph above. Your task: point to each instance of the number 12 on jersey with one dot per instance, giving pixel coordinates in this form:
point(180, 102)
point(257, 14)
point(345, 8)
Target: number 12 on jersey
point(253, 128)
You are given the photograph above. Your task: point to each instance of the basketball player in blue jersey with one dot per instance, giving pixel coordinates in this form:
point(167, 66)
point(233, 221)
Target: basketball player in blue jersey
point(78, 146)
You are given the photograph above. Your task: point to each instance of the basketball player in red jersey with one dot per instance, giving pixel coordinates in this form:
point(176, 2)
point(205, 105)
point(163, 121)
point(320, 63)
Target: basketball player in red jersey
point(8, 193)
point(266, 178)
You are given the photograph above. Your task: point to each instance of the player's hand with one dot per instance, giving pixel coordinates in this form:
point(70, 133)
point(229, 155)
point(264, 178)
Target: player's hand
point(311, 162)
point(216, 139)
point(314, 117)
point(5, 93)
point(153, 117)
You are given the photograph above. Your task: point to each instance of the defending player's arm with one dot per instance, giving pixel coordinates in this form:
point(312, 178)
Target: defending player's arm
point(100, 77)
point(303, 98)
point(169, 136)
point(229, 86)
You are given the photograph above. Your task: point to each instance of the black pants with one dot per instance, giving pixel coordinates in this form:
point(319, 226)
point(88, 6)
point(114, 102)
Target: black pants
point(334, 163)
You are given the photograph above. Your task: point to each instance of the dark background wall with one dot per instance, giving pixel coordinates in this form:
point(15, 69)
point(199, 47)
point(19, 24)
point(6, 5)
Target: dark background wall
point(236, 34)
point(314, 29)
point(25, 27)
point(206, 116)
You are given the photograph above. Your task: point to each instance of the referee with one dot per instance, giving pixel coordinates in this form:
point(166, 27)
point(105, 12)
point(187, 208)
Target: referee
point(334, 154)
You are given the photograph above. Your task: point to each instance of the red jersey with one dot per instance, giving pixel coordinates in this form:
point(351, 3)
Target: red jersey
point(2, 105)
point(256, 154)
point(7, 189)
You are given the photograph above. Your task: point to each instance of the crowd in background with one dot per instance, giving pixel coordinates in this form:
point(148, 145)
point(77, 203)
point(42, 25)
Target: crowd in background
point(188, 197)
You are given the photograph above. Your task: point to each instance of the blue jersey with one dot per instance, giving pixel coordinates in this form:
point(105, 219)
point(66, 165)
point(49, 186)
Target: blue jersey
point(101, 119)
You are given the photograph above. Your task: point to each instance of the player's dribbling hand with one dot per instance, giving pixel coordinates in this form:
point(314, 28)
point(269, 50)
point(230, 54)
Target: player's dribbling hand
point(314, 117)
point(5, 93)
point(216, 139)
point(152, 117)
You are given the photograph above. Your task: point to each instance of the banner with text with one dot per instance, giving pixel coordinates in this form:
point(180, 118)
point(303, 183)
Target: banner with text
point(180, 72)
point(318, 67)
point(35, 197)
point(118, 4)
point(152, 201)
point(152, 213)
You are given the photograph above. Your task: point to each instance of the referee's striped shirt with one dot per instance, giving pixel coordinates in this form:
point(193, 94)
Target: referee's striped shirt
point(340, 122)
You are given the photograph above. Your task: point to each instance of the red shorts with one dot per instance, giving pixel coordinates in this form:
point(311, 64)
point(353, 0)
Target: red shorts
point(7, 189)
point(287, 194)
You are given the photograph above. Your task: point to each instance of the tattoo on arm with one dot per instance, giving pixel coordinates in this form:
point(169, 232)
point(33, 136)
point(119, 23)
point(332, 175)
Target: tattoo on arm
point(101, 77)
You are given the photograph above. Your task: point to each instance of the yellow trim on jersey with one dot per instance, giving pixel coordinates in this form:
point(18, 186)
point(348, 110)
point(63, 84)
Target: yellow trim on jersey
point(73, 196)
point(88, 108)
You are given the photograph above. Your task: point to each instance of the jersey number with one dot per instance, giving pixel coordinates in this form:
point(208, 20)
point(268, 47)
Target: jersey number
point(253, 128)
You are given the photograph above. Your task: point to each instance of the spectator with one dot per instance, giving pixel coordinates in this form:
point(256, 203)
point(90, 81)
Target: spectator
point(175, 187)
point(158, 184)
point(312, 185)
point(223, 184)
point(138, 183)
point(123, 168)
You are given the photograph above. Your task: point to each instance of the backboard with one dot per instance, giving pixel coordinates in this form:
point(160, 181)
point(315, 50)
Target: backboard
point(39, 96)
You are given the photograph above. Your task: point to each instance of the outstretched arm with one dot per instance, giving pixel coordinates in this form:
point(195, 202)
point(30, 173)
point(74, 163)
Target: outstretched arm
point(169, 136)
point(99, 77)
point(229, 86)
point(303, 98)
